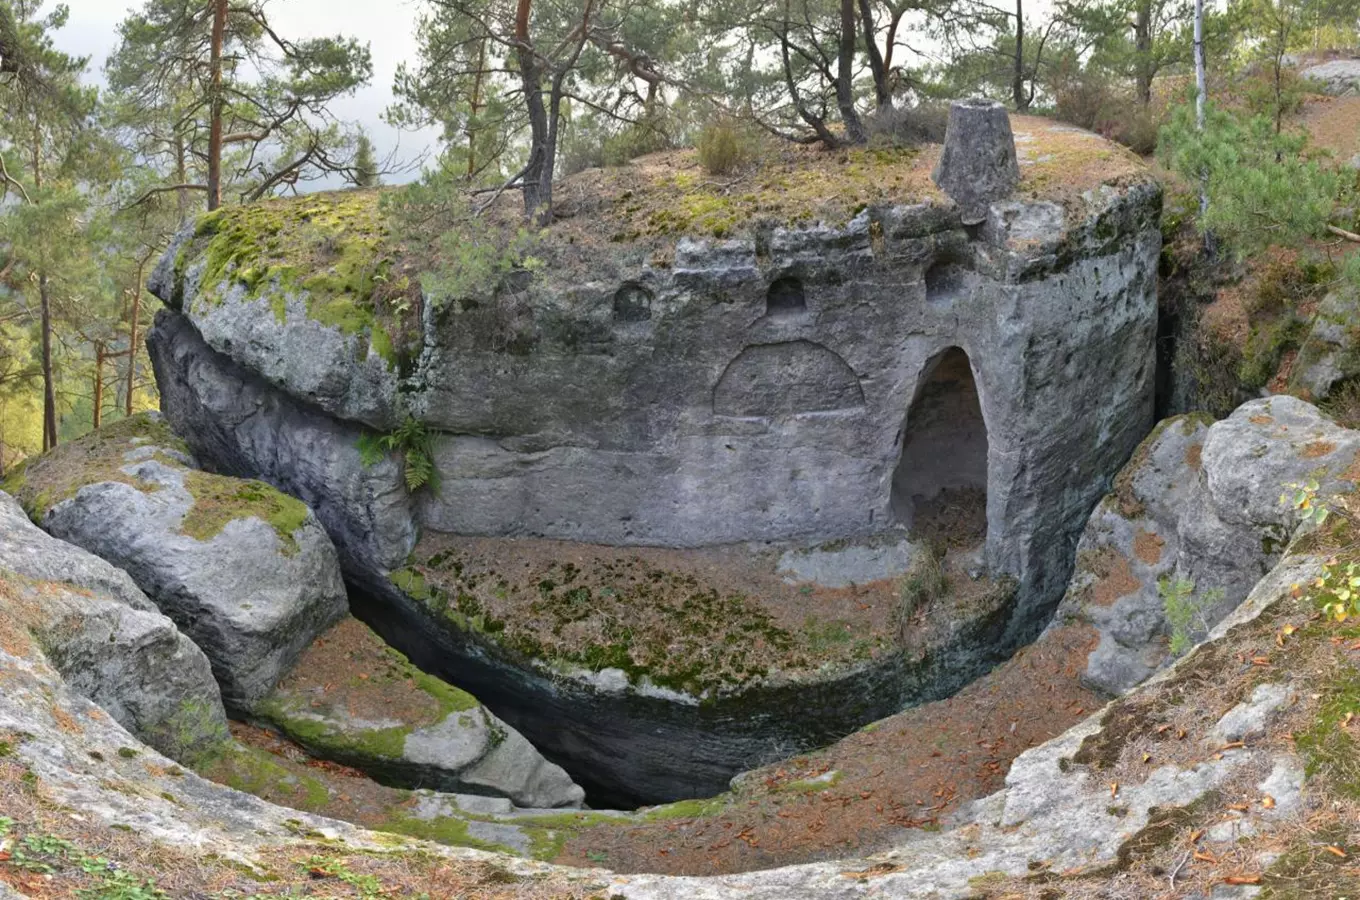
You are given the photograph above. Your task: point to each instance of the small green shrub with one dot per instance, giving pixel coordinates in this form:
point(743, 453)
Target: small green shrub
point(1097, 104)
point(1186, 613)
point(724, 146)
point(924, 583)
point(414, 443)
point(1343, 403)
point(1286, 283)
point(1266, 347)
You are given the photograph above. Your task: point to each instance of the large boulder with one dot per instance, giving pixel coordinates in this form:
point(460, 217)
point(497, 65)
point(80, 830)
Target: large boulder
point(1338, 77)
point(246, 571)
point(354, 700)
point(1194, 521)
point(106, 639)
point(232, 417)
point(1330, 354)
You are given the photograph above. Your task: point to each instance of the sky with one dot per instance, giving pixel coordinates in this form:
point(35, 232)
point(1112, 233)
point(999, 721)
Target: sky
point(387, 25)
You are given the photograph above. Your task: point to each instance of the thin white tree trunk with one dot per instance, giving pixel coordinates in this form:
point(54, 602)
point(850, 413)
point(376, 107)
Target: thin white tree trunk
point(1201, 93)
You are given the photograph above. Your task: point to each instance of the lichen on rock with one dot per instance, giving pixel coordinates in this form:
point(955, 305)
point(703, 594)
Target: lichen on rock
point(245, 570)
point(354, 700)
point(106, 639)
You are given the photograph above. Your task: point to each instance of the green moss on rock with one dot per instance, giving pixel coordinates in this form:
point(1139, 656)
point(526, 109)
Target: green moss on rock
point(219, 500)
point(381, 679)
point(42, 482)
point(256, 771)
point(330, 251)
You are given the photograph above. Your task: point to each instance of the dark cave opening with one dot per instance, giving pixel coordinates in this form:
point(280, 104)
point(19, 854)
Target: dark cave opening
point(944, 446)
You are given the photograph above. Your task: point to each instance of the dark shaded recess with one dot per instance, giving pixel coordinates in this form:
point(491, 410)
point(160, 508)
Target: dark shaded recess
point(945, 281)
point(1164, 380)
point(632, 303)
point(786, 297)
point(945, 443)
point(628, 750)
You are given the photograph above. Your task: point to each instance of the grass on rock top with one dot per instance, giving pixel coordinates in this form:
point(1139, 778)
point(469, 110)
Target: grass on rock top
point(348, 677)
point(100, 456)
point(332, 249)
point(219, 500)
point(338, 250)
point(42, 482)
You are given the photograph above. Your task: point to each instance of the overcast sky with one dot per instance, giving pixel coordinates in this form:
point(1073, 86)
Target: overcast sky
point(387, 25)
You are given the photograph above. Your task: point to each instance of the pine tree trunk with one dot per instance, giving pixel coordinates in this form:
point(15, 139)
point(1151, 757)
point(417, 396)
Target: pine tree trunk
point(475, 107)
point(181, 177)
point(49, 386)
point(1018, 81)
point(1201, 92)
point(98, 384)
point(1142, 44)
point(845, 65)
point(132, 337)
point(45, 305)
point(882, 91)
point(537, 176)
point(219, 28)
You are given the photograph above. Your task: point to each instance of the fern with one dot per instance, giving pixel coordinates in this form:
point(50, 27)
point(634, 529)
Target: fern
point(414, 443)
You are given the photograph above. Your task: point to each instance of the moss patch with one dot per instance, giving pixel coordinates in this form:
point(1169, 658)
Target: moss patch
point(1328, 746)
point(654, 625)
point(347, 676)
point(330, 250)
point(258, 772)
point(42, 482)
point(219, 500)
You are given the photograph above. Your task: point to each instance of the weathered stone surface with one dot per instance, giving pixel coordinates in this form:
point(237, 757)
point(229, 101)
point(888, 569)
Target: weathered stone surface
point(233, 418)
point(1247, 721)
point(1331, 352)
point(978, 165)
point(35, 554)
point(1338, 77)
point(1200, 506)
point(838, 566)
point(247, 572)
point(277, 334)
point(111, 647)
point(353, 700)
point(793, 382)
point(1052, 810)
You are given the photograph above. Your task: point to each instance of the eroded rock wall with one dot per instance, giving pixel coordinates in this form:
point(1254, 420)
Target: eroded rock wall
point(751, 389)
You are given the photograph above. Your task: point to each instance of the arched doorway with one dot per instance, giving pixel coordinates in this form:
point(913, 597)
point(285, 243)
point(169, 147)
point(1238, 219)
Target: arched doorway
point(939, 489)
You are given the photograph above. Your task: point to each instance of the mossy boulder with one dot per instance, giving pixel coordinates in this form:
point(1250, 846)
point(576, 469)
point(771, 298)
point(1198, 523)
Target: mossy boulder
point(106, 639)
point(354, 700)
point(243, 569)
point(1194, 520)
point(1331, 352)
point(304, 292)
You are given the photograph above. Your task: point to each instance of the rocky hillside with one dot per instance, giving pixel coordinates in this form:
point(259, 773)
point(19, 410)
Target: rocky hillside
point(1232, 772)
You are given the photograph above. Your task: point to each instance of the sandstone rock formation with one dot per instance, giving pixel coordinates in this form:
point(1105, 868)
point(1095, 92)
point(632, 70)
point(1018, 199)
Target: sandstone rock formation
point(1089, 806)
point(1331, 352)
point(1197, 510)
point(246, 571)
point(355, 701)
point(977, 166)
point(106, 639)
point(804, 380)
point(1338, 77)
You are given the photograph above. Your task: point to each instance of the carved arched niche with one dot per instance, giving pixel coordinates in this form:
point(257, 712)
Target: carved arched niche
point(788, 378)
